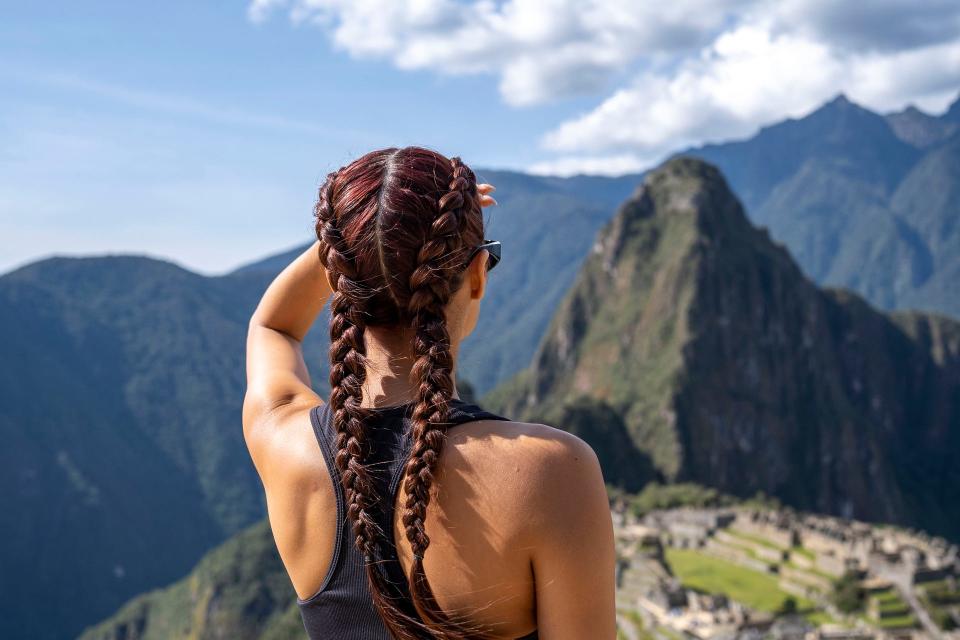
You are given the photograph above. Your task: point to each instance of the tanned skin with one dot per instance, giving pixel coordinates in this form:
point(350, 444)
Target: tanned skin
point(520, 527)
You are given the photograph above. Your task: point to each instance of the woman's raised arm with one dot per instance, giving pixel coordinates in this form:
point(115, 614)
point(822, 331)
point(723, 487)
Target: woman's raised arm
point(277, 379)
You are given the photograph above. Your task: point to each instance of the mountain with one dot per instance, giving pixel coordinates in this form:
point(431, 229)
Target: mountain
point(731, 369)
point(124, 459)
point(862, 201)
point(920, 129)
point(239, 590)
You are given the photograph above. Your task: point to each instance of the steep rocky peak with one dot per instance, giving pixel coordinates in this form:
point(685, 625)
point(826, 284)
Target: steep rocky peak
point(683, 191)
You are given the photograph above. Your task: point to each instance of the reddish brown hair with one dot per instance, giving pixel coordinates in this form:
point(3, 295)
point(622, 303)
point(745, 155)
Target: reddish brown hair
point(396, 228)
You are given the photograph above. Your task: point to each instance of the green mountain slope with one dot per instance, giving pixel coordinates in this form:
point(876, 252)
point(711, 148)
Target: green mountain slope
point(120, 407)
point(239, 590)
point(731, 369)
point(929, 197)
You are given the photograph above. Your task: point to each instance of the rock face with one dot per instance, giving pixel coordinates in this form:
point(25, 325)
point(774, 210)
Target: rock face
point(731, 369)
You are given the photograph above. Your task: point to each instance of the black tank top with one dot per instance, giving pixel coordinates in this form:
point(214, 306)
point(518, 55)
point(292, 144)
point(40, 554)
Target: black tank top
point(342, 609)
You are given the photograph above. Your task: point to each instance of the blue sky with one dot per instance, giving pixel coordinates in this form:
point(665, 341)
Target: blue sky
point(200, 131)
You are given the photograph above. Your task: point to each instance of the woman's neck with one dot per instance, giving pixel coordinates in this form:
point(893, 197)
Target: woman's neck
point(389, 362)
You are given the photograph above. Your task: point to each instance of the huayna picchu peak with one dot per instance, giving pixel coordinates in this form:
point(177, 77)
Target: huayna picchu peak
point(730, 368)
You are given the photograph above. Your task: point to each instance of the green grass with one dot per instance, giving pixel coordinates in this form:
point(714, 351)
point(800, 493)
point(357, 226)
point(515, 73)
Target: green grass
point(819, 618)
point(806, 553)
point(888, 607)
point(812, 571)
point(900, 622)
point(712, 575)
point(670, 633)
point(937, 598)
point(634, 619)
point(889, 601)
point(741, 545)
point(889, 598)
point(939, 592)
point(756, 539)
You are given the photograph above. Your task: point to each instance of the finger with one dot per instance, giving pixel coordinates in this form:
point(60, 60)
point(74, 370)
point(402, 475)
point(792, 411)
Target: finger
point(485, 188)
point(486, 201)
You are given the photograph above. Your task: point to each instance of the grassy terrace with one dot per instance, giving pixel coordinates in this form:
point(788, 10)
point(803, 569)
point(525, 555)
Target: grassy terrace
point(634, 619)
point(820, 617)
point(706, 573)
point(940, 592)
point(937, 597)
point(812, 571)
point(744, 539)
point(890, 602)
point(899, 622)
point(755, 539)
point(806, 553)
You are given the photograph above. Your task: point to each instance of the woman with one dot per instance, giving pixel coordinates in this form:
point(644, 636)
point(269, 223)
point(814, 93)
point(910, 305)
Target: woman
point(514, 516)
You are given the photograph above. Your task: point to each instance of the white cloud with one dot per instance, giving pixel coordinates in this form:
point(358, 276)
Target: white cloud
point(540, 49)
point(701, 70)
point(746, 76)
point(752, 76)
point(609, 165)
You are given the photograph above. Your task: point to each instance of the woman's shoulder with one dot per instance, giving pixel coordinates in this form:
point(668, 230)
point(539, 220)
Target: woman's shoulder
point(535, 465)
point(530, 440)
point(547, 445)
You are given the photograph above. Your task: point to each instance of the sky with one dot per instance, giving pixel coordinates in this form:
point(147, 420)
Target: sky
point(199, 131)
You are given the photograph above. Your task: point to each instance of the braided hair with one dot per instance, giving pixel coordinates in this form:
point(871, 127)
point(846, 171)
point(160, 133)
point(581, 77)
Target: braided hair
point(396, 227)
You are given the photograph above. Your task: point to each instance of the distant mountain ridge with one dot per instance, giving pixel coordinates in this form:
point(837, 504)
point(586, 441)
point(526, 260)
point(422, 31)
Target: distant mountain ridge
point(863, 201)
point(729, 368)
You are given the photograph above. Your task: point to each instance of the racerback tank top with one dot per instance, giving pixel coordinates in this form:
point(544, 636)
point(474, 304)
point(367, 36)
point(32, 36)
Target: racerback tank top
point(342, 609)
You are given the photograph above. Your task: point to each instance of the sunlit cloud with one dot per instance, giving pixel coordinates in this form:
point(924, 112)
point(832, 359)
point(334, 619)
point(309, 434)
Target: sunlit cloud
point(668, 76)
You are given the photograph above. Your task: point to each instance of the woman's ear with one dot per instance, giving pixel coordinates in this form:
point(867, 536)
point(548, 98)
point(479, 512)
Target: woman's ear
point(478, 275)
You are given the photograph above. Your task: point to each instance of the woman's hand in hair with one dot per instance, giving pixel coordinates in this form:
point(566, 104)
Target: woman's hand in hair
point(485, 190)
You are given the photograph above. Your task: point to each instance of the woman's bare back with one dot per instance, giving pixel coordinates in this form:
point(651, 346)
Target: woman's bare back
point(513, 502)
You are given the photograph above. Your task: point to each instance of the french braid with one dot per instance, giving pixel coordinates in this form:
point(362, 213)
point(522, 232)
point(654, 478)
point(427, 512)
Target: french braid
point(347, 374)
point(438, 263)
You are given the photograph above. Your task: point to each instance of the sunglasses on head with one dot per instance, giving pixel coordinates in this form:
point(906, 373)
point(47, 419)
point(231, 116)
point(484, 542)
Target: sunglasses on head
point(493, 247)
